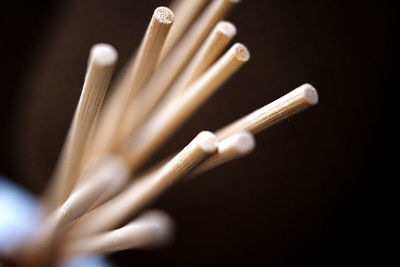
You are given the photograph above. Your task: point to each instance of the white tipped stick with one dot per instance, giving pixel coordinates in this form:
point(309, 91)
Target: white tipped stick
point(121, 207)
point(232, 147)
point(143, 191)
point(185, 12)
point(142, 106)
point(168, 118)
point(135, 77)
point(153, 229)
point(102, 60)
point(289, 104)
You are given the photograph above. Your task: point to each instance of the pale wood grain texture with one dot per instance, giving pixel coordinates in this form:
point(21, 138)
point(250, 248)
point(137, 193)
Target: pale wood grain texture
point(300, 98)
point(167, 119)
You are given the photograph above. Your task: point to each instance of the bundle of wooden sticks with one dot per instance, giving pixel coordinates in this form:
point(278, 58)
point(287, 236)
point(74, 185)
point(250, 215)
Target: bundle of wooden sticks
point(98, 184)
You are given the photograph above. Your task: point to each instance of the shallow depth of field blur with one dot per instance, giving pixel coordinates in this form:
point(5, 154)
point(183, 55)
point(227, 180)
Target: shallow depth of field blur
point(305, 197)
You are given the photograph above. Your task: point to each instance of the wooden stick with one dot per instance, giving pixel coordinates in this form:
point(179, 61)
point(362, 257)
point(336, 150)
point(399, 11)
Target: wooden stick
point(285, 106)
point(144, 191)
point(185, 12)
point(295, 101)
point(167, 119)
point(137, 75)
point(232, 147)
point(289, 104)
point(102, 61)
point(153, 229)
point(140, 109)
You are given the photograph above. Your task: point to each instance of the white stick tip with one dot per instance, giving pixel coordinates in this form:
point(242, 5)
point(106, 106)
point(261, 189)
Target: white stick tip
point(207, 141)
point(163, 224)
point(310, 94)
point(244, 141)
point(164, 15)
point(103, 54)
point(240, 52)
point(227, 28)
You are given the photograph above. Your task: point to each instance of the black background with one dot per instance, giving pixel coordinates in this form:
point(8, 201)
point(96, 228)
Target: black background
point(314, 191)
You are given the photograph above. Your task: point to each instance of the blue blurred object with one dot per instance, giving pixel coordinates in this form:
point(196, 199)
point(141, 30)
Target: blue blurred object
point(19, 213)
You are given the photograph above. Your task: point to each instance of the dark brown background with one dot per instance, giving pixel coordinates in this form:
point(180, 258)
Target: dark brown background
point(311, 194)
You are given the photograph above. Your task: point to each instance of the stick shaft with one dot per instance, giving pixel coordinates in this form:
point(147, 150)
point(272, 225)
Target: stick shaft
point(150, 230)
point(97, 80)
point(289, 104)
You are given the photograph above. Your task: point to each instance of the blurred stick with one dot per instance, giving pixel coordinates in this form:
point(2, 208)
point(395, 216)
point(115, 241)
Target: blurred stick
point(153, 229)
point(38, 249)
point(102, 61)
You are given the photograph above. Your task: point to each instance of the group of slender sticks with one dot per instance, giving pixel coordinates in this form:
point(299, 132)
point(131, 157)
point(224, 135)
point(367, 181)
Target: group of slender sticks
point(97, 185)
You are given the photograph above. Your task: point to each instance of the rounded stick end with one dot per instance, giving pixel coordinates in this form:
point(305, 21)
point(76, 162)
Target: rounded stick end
point(164, 15)
point(207, 141)
point(103, 54)
point(310, 94)
point(240, 52)
point(227, 28)
point(244, 142)
point(164, 227)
